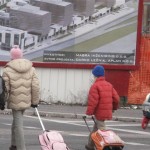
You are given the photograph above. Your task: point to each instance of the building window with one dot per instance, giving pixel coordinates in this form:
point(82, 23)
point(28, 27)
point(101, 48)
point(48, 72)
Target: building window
point(22, 36)
point(7, 39)
point(2, 21)
point(0, 37)
point(7, 23)
point(16, 39)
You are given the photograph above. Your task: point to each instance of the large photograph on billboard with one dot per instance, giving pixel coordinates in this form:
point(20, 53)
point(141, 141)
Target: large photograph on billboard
point(71, 31)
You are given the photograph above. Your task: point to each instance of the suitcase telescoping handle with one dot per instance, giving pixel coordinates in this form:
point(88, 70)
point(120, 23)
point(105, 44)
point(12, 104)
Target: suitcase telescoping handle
point(40, 119)
point(85, 120)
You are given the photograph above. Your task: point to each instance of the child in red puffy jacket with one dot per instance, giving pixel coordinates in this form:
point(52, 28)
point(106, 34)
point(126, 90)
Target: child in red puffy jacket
point(103, 99)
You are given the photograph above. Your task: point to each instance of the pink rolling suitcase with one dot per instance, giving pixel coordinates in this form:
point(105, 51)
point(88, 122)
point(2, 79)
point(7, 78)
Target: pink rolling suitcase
point(51, 140)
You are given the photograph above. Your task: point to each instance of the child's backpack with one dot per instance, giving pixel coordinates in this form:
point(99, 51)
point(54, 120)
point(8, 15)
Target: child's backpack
point(2, 93)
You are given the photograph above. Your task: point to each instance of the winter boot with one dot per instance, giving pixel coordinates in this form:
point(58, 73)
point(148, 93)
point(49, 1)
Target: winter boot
point(13, 148)
point(145, 122)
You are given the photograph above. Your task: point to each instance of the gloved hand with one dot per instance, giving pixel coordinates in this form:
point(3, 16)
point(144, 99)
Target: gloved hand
point(2, 107)
point(34, 106)
point(89, 116)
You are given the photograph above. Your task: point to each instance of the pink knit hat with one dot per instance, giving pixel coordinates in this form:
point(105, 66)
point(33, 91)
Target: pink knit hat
point(16, 52)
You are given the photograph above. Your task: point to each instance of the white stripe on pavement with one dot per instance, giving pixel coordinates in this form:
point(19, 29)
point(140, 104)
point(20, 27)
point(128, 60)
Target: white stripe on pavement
point(90, 125)
point(126, 143)
point(26, 127)
point(139, 144)
point(131, 131)
point(123, 125)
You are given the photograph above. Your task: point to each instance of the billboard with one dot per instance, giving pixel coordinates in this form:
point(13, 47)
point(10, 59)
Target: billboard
point(108, 35)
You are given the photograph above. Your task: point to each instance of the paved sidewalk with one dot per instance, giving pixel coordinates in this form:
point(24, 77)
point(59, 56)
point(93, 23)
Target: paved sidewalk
point(74, 111)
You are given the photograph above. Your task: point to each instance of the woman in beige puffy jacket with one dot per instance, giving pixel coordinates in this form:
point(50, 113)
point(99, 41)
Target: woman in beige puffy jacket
point(23, 92)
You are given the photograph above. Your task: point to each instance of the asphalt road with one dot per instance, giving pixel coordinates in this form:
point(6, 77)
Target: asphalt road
point(74, 132)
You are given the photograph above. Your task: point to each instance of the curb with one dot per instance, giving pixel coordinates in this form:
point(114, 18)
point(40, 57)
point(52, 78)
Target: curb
point(45, 114)
point(126, 119)
point(69, 115)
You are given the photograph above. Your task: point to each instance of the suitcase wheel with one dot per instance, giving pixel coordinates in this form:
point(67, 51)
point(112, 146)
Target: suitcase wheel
point(113, 148)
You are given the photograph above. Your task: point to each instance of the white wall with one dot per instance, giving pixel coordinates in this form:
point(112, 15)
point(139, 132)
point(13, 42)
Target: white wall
point(63, 85)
